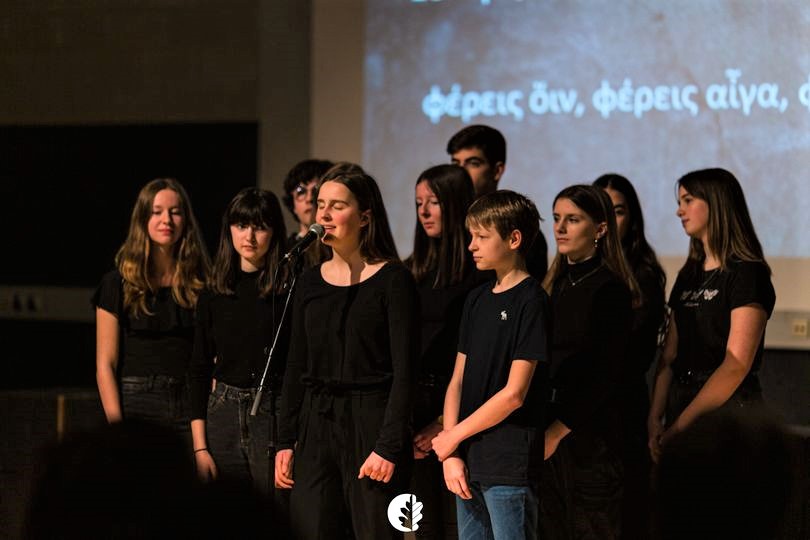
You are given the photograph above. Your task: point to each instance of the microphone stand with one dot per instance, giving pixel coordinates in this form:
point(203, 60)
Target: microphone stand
point(295, 268)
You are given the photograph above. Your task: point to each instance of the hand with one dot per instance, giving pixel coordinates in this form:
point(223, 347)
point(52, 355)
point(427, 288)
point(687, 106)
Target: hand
point(377, 468)
point(206, 468)
point(283, 469)
point(670, 432)
point(455, 476)
point(422, 440)
point(555, 432)
point(654, 430)
point(551, 442)
point(444, 444)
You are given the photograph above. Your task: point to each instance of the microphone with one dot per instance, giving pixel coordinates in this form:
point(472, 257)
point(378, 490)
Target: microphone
point(315, 232)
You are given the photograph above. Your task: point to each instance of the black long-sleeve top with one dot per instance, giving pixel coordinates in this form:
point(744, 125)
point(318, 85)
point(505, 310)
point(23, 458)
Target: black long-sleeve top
point(647, 319)
point(232, 337)
point(358, 338)
point(441, 310)
point(592, 320)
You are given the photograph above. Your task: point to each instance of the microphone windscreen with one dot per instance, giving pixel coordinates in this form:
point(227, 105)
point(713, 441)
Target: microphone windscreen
point(318, 229)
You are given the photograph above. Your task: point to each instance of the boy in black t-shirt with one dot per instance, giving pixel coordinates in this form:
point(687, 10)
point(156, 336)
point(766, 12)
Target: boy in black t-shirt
point(492, 439)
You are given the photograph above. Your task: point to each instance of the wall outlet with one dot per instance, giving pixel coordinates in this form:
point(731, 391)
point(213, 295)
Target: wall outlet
point(798, 327)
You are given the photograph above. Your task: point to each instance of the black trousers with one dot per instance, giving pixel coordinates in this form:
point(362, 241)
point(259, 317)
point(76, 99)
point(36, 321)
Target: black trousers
point(439, 512)
point(158, 399)
point(336, 435)
point(581, 491)
point(427, 480)
point(635, 456)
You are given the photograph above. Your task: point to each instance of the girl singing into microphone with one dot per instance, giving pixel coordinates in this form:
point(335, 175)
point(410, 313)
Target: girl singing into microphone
point(344, 431)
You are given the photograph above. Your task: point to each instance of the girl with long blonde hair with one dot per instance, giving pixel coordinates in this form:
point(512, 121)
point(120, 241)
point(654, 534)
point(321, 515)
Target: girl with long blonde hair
point(144, 310)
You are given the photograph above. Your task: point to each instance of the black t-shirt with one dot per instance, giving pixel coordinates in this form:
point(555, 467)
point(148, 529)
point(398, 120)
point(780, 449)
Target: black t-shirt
point(357, 338)
point(156, 344)
point(592, 320)
point(233, 336)
point(702, 302)
point(497, 329)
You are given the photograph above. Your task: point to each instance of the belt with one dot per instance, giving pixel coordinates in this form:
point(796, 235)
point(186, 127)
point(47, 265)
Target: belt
point(154, 381)
point(430, 380)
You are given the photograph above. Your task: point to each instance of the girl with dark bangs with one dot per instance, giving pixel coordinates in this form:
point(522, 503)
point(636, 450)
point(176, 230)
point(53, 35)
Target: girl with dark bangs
point(346, 404)
point(236, 322)
point(721, 302)
point(648, 314)
point(444, 272)
point(144, 310)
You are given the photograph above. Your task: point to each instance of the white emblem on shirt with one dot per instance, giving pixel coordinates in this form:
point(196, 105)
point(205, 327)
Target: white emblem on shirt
point(691, 298)
point(503, 315)
point(709, 294)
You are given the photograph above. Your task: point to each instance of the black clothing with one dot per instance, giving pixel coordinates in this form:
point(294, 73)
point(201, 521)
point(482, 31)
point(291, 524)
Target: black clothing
point(233, 337)
point(441, 315)
point(236, 330)
point(157, 399)
point(634, 398)
point(358, 338)
point(592, 318)
point(347, 392)
point(582, 493)
point(537, 258)
point(156, 344)
point(634, 405)
point(582, 481)
point(647, 319)
point(701, 303)
point(496, 329)
point(441, 310)
point(240, 442)
point(336, 435)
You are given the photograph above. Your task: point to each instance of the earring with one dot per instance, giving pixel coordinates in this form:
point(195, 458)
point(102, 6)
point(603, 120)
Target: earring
point(596, 243)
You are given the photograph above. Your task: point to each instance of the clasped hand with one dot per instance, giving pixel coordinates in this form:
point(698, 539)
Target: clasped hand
point(444, 444)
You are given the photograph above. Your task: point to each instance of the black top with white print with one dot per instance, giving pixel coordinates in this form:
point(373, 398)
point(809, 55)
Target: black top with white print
point(702, 302)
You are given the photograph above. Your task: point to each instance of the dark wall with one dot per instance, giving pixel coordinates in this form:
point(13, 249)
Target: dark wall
point(67, 196)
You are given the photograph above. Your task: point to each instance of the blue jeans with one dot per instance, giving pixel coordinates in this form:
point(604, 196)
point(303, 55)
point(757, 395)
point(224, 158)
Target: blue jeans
point(239, 442)
point(498, 513)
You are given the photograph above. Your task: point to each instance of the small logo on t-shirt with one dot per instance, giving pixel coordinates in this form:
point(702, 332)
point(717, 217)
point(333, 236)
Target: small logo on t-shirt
point(405, 512)
point(709, 294)
point(503, 315)
point(691, 298)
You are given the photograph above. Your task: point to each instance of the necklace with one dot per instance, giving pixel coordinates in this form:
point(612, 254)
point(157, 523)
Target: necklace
point(708, 278)
point(574, 282)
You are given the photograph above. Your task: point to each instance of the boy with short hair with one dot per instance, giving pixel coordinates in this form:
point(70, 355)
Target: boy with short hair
point(481, 150)
point(492, 442)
